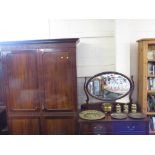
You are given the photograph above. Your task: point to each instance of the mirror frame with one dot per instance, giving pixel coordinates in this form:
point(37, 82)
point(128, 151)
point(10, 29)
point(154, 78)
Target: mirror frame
point(109, 100)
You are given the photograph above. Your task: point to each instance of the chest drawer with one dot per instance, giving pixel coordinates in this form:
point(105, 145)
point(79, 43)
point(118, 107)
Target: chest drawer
point(95, 128)
point(129, 127)
point(110, 126)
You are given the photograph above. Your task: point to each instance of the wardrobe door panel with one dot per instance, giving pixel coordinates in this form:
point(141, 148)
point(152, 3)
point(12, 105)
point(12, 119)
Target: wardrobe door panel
point(22, 80)
point(58, 80)
point(59, 125)
point(24, 126)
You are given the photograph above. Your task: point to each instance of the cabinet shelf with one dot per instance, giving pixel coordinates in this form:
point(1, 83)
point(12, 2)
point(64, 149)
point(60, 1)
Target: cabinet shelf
point(151, 76)
point(151, 92)
point(150, 113)
point(151, 60)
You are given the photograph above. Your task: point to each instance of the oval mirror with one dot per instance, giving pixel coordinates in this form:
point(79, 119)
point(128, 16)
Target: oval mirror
point(109, 86)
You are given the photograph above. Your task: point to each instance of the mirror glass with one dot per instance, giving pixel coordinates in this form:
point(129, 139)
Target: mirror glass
point(109, 86)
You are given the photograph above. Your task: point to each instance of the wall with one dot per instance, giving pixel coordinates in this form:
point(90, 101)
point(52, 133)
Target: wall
point(24, 29)
point(122, 37)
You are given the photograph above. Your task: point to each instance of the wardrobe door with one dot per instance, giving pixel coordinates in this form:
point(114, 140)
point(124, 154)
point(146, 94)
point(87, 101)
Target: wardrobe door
point(21, 76)
point(59, 80)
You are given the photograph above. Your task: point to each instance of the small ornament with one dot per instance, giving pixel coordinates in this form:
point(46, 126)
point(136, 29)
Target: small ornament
point(118, 108)
point(133, 108)
point(126, 108)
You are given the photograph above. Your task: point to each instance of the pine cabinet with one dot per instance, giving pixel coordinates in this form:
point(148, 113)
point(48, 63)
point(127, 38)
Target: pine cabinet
point(146, 76)
point(40, 86)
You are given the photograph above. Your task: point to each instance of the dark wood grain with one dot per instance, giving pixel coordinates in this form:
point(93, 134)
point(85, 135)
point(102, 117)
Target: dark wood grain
point(22, 81)
point(58, 125)
point(24, 126)
point(59, 91)
point(40, 86)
